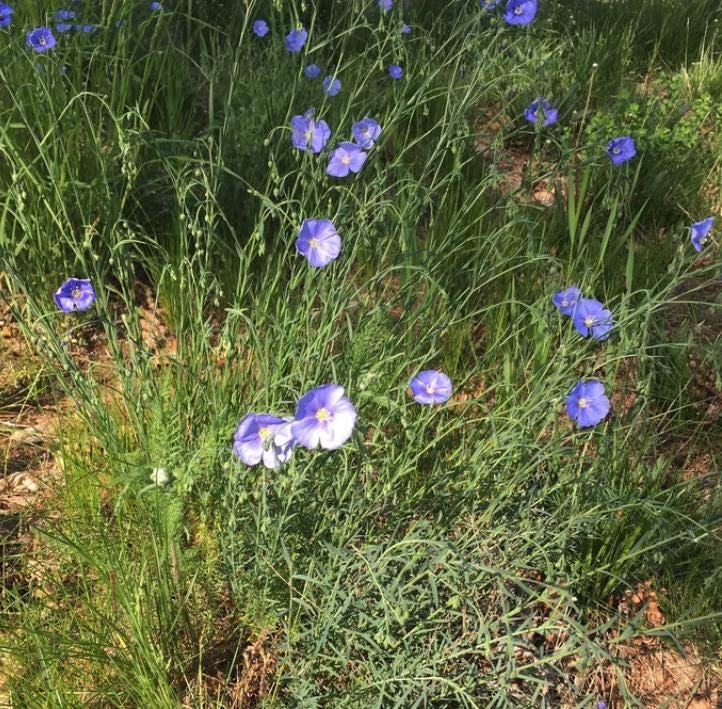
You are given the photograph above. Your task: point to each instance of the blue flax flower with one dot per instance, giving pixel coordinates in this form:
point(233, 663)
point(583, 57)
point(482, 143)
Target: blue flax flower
point(366, 132)
point(318, 241)
point(587, 403)
point(62, 18)
point(566, 300)
point(348, 157)
point(386, 5)
point(405, 29)
point(699, 232)
point(621, 149)
point(395, 71)
point(264, 437)
point(541, 110)
point(260, 28)
point(6, 14)
point(591, 318)
point(155, 6)
point(520, 12)
point(309, 134)
point(85, 28)
point(331, 85)
point(40, 39)
point(74, 294)
point(324, 417)
point(430, 387)
point(295, 40)
point(312, 71)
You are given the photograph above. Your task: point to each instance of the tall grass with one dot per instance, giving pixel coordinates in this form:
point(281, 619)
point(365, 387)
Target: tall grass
point(467, 555)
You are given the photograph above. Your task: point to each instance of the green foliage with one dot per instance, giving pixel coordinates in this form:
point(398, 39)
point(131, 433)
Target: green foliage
point(427, 561)
point(674, 130)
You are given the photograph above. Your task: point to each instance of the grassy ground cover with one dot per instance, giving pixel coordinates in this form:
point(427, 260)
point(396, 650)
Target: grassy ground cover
point(481, 552)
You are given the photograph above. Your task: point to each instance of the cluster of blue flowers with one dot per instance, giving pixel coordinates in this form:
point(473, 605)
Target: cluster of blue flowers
point(41, 39)
point(331, 84)
point(587, 403)
point(589, 316)
point(311, 135)
point(295, 40)
point(318, 239)
point(516, 12)
point(325, 417)
point(62, 20)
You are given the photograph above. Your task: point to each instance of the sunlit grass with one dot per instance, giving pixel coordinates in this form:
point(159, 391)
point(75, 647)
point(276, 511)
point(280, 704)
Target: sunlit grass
point(430, 559)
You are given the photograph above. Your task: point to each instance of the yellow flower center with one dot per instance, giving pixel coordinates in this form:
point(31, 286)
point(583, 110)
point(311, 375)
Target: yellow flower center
point(589, 320)
point(308, 134)
point(346, 159)
point(264, 432)
point(313, 243)
point(322, 414)
point(616, 151)
point(583, 403)
point(518, 10)
point(430, 389)
point(75, 292)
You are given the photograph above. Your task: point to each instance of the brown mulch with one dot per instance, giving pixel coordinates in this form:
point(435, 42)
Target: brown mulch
point(657, 673)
